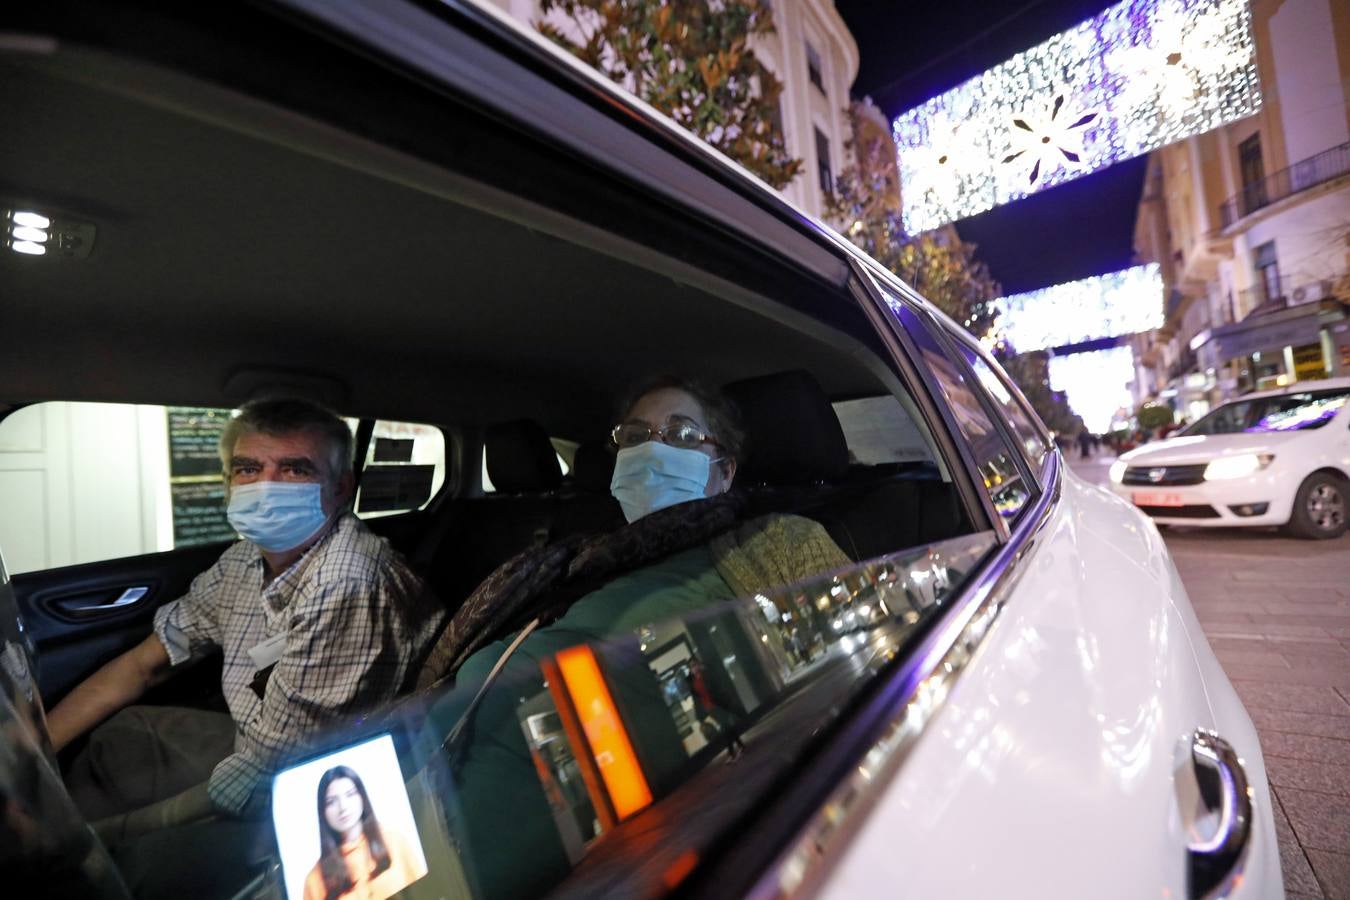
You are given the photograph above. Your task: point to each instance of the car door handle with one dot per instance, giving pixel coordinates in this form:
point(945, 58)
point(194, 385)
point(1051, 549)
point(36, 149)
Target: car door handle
point(1223, 788)
point(127, 598)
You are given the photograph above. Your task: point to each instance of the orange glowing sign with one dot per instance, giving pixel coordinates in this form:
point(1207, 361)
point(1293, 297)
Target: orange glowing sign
point(610, 746)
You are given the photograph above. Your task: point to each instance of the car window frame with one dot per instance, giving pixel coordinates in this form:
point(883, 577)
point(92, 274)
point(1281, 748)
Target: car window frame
point(1012, 443)
point(1019, 399)
point(868, 288)
point(926, 327)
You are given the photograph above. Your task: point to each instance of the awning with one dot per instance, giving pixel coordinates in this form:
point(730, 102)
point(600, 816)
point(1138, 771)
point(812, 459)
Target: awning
point(1271, 331)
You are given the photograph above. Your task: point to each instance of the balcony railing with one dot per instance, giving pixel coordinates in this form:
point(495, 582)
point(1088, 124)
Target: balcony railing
point(1300, 176)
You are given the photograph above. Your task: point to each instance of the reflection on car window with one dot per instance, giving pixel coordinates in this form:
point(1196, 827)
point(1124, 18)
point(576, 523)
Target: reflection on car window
point(1288, 412)
point(993, 456)
point(1027, 433)
point(515, 780)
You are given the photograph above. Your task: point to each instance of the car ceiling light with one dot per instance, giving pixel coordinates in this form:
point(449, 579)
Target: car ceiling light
point(40, 234)
point(30, 219)
point(1137, 76)
point(29, 233)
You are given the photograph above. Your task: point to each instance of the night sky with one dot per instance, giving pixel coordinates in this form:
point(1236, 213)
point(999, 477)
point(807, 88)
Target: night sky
point(915, 49)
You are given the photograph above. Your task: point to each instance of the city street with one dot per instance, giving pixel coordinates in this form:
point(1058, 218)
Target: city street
point(1277, 612)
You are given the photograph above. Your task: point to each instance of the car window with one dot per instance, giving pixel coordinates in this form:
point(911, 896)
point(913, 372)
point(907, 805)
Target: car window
point(84, 482)
point(1287, 412)
point(995, 459)
point(403, 469)
point(996, 384)
point(538, 765)
point(880, 430)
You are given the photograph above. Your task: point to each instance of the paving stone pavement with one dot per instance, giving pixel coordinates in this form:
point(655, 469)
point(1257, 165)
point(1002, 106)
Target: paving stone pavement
point(1277, 612)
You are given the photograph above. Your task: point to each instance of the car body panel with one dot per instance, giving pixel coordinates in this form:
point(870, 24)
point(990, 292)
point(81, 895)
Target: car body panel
point(1051, 766)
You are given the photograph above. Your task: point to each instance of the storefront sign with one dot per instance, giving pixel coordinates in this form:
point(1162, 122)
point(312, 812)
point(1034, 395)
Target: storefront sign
point(1308, 362)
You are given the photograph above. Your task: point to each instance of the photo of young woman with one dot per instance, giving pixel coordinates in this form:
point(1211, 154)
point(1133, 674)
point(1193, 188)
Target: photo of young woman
point(357, 858)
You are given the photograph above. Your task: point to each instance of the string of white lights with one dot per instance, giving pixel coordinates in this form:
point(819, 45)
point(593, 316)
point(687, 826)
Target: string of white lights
point(1111, 305)
point(1141, 74)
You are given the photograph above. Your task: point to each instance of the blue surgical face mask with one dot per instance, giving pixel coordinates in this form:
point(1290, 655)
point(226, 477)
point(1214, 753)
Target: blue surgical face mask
point(277, 515)
point(654, 475)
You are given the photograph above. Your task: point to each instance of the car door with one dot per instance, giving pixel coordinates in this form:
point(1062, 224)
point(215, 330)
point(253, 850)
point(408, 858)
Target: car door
point(1083, 731)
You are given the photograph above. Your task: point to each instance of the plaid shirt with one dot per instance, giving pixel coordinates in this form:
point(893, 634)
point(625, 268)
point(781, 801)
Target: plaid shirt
point(356, 619)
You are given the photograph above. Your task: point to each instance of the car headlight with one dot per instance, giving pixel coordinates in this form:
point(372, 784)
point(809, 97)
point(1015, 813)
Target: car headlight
point(1237, 466)
point(1117, 471)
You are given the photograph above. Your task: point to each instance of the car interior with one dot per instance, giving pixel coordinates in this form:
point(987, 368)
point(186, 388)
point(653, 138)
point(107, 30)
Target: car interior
point(398, 254)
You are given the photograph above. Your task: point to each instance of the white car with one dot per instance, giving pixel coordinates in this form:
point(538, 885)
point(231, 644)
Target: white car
point(1272, 458)
point(444, 227)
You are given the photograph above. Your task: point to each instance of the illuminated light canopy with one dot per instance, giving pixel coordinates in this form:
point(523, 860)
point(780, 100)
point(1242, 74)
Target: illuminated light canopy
point(1139, 75)
point(1120, 303)
point(1096, 384)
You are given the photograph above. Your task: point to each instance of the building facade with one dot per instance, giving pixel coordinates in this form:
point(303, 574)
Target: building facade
point(1250, 224)
point(815, 56)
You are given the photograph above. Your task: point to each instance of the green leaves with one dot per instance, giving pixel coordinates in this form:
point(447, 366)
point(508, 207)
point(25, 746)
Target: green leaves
point(691, 59)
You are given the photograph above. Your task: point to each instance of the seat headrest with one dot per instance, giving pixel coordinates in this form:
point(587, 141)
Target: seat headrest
point(520, 458)
point(793, 434)
point(593, 467)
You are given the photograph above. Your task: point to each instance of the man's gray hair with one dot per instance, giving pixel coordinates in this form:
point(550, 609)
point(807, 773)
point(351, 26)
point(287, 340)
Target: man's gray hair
point(282, 416)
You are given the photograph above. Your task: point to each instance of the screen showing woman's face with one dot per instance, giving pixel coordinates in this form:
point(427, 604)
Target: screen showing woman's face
point(342, 806)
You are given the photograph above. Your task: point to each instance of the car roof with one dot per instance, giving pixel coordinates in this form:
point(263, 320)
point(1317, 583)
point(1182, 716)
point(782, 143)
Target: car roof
point(262, 228)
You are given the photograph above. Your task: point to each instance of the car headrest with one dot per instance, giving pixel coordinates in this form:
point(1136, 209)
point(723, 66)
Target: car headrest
point(520, 458)
point(793, 434)
point(593, 467)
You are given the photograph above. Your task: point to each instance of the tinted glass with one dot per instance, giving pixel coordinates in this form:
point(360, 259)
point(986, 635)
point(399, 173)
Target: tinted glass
point(592, 738)
point(1289, 412)
point(995, 460)
point(1014, 413)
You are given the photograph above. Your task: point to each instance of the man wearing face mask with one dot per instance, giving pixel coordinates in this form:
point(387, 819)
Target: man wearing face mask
point(317, 617)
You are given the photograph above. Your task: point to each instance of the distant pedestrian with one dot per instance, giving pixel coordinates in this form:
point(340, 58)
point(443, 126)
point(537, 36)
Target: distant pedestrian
point(1084, 444)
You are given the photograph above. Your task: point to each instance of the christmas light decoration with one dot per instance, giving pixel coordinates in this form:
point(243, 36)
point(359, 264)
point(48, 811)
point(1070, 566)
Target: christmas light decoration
point(1103, 306)
point(1096, 384)
point(1139, 75)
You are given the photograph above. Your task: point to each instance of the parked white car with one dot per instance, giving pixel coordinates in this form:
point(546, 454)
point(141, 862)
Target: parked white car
point(1273, 458)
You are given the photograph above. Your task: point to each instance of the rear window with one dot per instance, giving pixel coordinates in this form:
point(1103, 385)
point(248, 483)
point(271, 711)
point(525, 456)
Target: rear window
point(1288, 412)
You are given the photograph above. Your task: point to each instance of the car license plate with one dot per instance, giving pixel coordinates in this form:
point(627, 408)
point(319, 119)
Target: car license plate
point(1149, 499)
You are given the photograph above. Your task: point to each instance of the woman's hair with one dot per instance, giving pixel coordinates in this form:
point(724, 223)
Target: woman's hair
point(724, 419)
point(336, 880)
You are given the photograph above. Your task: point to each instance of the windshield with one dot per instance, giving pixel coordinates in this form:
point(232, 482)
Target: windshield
point(1288, 412)
point(608, 766)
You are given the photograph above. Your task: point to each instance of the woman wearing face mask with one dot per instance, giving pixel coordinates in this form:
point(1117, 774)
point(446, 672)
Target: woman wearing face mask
point(685, 548)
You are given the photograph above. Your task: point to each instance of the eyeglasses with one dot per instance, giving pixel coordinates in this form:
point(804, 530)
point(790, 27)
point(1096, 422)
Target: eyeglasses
point(685, 435)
